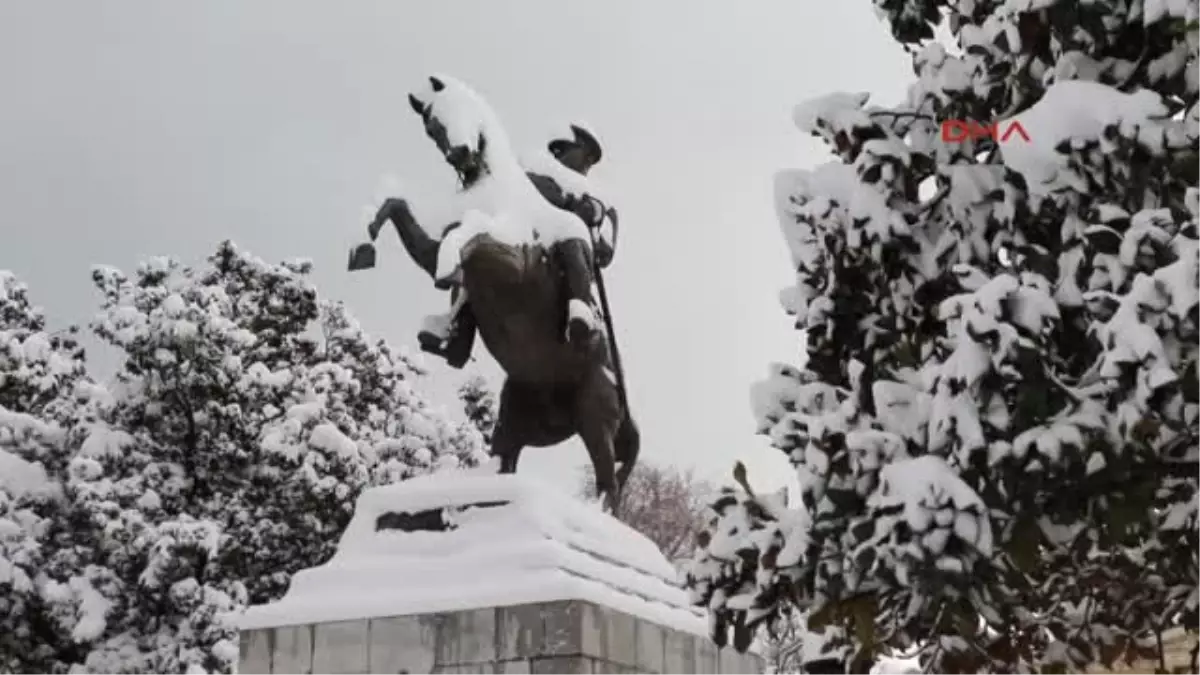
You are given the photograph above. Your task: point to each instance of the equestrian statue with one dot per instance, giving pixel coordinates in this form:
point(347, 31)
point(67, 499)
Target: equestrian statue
point(521, 262)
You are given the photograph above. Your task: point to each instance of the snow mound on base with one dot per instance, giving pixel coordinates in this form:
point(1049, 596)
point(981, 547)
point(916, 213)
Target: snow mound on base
point(511, 540)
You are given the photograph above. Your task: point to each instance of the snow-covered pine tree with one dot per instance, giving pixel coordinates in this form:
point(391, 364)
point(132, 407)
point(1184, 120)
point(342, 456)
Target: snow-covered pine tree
point(39, 372)
point(479, 403)
point(60, 584)
point(246, 417)
point(995, 428)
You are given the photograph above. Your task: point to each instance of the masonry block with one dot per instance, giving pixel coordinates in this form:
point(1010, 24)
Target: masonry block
point(680, 654)
point(292, 651)
point(466, 637)
point(706, 657)
point(515, 667)
point(402, 644)
point(520, 632)
point(554, 665)
point(255, 648)
point(340, 647)
point(729, 661)
point(620, 636)
point(651, 647)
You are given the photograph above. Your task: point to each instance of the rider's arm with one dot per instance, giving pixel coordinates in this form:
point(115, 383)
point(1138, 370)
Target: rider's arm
point(551, 191)
point(606, 238)
point(590, 210)
point(602, 221)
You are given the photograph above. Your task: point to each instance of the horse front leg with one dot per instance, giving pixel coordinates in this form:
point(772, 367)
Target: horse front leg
point(421, 247)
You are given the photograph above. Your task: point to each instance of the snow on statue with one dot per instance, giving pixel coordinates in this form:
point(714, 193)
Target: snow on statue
point(560, 180)
point(559, 173)
point(520, 257)
point(995, 427)
point(500, 202)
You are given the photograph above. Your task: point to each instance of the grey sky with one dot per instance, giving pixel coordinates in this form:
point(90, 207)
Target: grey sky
point(145, 128)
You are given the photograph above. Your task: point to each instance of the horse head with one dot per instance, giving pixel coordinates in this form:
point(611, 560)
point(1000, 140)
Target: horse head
point(463, 127)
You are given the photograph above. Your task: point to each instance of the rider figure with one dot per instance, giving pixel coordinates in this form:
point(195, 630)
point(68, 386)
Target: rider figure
point(452, 336)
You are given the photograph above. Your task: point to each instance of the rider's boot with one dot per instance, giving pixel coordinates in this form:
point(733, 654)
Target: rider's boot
point(450, 336)
point(583, 324)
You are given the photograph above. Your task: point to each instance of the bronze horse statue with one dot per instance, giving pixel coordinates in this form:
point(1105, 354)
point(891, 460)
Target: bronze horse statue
point(554, 389)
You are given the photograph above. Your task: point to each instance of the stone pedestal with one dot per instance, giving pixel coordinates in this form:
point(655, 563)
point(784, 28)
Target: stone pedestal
point(468, 573)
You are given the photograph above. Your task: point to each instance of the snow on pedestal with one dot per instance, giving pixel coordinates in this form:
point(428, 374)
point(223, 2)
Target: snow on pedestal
point(459, 572)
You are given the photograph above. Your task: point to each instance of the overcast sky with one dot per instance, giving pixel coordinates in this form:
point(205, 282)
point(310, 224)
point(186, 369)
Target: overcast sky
point(145, 128)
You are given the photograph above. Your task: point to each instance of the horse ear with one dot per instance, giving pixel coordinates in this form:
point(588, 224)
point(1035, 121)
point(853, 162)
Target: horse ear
point(417, 105)
point(438, 85)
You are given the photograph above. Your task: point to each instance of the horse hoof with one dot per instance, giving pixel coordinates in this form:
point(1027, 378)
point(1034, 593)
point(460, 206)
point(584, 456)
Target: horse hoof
point(362, 257)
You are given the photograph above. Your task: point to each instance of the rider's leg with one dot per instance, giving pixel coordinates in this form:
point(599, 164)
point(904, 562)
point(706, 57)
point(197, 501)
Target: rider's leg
point(575, 257)
point(462, 338)
point(451, 335)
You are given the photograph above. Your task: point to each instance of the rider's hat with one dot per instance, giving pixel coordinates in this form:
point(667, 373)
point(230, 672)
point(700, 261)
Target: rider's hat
point(582, 137)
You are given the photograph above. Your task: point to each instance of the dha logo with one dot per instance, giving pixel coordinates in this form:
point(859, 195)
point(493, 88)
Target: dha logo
point(958, 131)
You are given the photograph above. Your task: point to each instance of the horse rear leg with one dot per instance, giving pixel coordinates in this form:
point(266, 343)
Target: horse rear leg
point(506, 446)
point(508, 439)
point(598, 420)
point(599, 444)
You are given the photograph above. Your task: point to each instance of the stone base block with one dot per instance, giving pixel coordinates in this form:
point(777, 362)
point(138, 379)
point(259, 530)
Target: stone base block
point(553, 637)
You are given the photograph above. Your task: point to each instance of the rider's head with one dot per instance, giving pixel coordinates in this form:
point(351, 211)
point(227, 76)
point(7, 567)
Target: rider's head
point(580, 153)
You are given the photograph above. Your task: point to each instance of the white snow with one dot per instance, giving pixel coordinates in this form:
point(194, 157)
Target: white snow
point(103, 441)
point(578, 309)
point(540, 545)
point(503, 203)
point(895, 665)
point(574, 184)
point(93, 607)
point(438, 324)
point(1076, 110)
point(1154, 11)
point(328, 437)
point(19, 477)
point(540, 161)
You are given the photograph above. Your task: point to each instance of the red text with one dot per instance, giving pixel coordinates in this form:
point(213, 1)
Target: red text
point(957, 131)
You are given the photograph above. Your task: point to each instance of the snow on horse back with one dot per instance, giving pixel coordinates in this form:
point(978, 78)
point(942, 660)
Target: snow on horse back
point(497, 198)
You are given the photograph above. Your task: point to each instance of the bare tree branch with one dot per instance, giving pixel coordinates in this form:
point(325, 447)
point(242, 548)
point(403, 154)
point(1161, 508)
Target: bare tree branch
point(664, 503)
